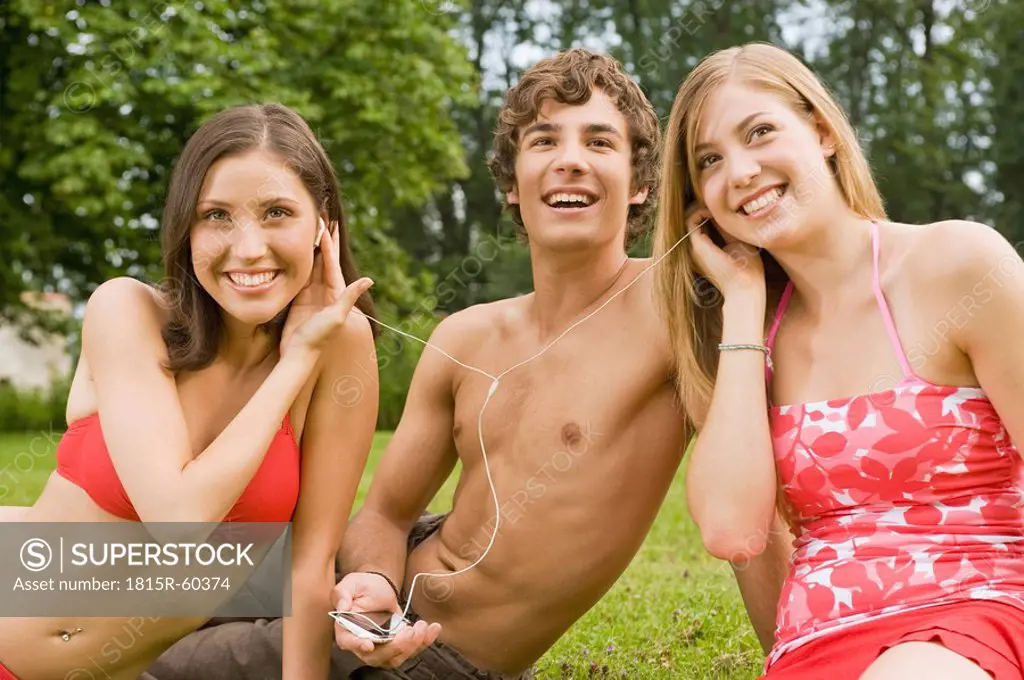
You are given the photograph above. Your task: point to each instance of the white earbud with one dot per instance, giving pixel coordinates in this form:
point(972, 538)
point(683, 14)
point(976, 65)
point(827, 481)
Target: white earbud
point(320, 233)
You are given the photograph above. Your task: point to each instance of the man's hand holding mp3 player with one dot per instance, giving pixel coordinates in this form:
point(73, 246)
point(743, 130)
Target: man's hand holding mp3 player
point(372, 595)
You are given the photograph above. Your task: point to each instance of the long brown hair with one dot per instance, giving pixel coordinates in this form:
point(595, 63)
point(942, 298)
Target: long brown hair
point(689, 302)
point(193, 329)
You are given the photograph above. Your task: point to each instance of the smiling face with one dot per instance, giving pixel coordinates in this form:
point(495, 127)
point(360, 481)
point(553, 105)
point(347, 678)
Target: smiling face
point(761, 166)
point(253, 235)
point(573, 174)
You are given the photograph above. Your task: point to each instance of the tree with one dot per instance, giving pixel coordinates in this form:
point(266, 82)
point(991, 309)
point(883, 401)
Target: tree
point(658, 41)
point(97, 101)
point(462, 241)
point(1003, 23)
point(912, 75)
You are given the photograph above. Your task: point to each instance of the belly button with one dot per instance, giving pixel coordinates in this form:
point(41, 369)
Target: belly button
point(65, 635)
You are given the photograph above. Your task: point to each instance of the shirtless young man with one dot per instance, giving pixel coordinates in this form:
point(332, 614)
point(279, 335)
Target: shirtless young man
point(583, 442)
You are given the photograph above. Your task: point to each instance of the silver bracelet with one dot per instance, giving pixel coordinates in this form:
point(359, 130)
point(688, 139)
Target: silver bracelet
point(760, 348)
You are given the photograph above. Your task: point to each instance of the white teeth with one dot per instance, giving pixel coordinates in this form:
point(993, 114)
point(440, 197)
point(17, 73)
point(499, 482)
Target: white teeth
point(252, 280)
point(763, 201)
point(583, 199)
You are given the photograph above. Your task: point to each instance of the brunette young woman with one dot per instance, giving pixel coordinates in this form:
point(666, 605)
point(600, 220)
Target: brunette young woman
point(210, 397)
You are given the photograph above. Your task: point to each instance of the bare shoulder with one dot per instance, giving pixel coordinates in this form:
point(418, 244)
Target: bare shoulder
point(640, 273)
point(468, 327)
point(953, 256)
point(121, 333)
point(641, 300)
point(124, 306)
point(356, 331)
point(353, 344)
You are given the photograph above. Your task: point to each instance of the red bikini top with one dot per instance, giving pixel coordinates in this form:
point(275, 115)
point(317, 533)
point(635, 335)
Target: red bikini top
point(271, 496)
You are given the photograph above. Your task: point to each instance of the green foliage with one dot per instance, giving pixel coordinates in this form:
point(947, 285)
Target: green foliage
point(1003, 27)
point(397, 357)
point(934, 90)
point(98, 100)
point(675, 612)
point(30, 410)
point(906, 73)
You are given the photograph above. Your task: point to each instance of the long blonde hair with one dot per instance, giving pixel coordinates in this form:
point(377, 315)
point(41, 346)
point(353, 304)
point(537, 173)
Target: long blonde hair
point(690, 304)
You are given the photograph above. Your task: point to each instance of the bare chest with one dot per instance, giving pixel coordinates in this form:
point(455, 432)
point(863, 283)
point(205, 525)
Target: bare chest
point(209, 402)
point(851, 351)
point(555, 402)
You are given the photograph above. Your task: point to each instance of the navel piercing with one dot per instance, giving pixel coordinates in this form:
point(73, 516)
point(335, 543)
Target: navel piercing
point(65, 635)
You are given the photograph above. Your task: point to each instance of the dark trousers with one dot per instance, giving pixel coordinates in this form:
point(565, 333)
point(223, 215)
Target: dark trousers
point(250, 649)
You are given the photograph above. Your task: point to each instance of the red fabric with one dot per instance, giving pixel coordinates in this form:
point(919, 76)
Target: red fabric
point(990, 634)
point(271, 496)
point(902, 498)
point(6, 674)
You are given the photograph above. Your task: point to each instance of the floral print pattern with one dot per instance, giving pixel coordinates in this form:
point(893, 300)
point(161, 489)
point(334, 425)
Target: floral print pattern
point(901, 499)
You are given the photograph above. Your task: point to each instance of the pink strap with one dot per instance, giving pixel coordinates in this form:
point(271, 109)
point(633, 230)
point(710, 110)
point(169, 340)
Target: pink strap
point(770, 341)
point(779, 311)
point(890, 326)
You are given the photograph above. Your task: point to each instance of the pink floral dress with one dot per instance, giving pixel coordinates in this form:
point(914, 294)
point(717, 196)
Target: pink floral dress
point(902, 499)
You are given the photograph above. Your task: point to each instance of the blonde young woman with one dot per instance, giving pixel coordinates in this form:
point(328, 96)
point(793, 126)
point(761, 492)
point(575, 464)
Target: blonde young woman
point(865, 377)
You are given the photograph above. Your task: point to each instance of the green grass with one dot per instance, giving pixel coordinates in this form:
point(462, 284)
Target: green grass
point(26, 461)
point(675, 613)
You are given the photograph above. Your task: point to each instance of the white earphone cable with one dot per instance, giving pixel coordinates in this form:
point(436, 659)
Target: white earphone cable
point(490, 392)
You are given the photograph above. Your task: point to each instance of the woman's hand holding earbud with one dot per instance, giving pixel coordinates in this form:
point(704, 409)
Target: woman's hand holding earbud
point(735, 269)
point(324, 304)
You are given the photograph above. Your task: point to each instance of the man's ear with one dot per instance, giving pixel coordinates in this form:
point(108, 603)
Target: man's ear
point(640, 196)
point(512, 196)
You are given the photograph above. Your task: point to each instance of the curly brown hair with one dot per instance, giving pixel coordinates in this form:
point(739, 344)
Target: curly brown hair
point(570, 77)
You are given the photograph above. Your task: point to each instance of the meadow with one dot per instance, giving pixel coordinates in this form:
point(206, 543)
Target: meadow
point(674, 613)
